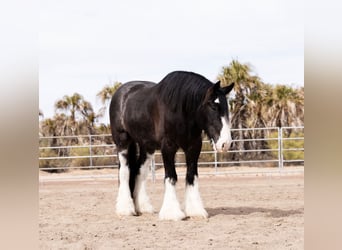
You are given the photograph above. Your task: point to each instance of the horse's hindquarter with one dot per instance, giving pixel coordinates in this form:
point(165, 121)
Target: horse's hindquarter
point(142, 115)
point(126, 108)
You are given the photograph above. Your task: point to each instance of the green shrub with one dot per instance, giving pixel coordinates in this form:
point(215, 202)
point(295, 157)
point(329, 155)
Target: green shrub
point(48, 164)
point(95, 161)
point(289, 144)
point(80, 162)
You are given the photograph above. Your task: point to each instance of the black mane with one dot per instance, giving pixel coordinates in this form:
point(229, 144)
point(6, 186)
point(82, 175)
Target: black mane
point(183, 91)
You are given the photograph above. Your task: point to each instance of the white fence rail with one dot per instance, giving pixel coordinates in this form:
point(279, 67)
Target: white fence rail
point(278, 147)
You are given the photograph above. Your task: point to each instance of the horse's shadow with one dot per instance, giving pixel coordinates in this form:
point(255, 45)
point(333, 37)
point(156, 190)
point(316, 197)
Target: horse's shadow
point(270, 212)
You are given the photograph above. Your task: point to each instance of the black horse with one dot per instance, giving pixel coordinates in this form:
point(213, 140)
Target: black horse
point(172, 114)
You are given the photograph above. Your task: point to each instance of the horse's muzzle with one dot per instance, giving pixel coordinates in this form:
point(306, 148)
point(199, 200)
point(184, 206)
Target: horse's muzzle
point(221, 146)
point(225, 146)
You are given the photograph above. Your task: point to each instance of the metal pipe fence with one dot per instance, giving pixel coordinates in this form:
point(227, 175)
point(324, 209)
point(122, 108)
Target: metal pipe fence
point(271, 146)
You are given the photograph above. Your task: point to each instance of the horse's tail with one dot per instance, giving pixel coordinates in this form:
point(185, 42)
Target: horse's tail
point(133, 165)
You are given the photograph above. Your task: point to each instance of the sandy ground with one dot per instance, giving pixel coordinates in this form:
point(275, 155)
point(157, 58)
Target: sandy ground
point(246, 212)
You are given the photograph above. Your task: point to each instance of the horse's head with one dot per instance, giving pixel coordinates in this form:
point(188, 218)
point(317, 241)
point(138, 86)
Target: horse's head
point(215, 112)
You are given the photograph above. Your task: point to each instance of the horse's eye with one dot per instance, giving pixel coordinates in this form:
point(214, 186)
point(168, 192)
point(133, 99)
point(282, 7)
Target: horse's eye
point(214, 106)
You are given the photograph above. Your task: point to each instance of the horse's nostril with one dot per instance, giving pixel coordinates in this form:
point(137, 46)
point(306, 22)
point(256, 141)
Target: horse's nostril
point(225, 146)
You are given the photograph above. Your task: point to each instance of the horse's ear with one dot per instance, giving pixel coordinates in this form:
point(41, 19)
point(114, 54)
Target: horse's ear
point(228, 88)
point(217, 85)
point(212, 92)
point(210, 95)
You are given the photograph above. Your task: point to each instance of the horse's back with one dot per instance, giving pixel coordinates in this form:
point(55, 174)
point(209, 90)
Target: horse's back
point(126, 90)
point(118, 105)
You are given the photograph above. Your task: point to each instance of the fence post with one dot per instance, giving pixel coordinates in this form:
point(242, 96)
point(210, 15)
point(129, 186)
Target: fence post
point(90, 152)
point(280, 147)
point(215, 155)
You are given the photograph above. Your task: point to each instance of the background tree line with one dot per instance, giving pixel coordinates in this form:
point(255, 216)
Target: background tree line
point(253, 104)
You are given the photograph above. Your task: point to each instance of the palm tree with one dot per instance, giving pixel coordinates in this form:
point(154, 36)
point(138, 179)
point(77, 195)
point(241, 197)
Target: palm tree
point(89, 116)
point(61, 121)
point(288, 108)
point(235, 72)
point(52, 128)
point(105, 95)
point(48, 127)
point(244, 84)
point(241, 106)
point(261, 101)
point(300, 95)
point(78, 108)
point(70, 104)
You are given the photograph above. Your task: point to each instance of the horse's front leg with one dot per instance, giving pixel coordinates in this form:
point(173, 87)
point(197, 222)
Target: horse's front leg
point(193, 202)
point(170, 209)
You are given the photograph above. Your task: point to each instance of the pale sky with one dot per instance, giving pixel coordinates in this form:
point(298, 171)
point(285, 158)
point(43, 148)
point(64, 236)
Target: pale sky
point(85, 45)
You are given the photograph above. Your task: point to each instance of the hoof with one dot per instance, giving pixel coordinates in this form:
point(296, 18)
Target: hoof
point(145, 208)
point(201, 213)
point(125, 207)
point(169, 214)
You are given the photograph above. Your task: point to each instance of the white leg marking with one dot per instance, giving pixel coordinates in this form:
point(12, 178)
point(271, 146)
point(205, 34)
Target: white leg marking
point(225, 138)
point(193, 201)
point(141, 200)
point(124, 201)
point(170, 209)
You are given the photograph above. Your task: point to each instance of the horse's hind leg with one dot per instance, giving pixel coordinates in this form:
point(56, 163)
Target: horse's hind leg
point(124, 201)
point(141, 200)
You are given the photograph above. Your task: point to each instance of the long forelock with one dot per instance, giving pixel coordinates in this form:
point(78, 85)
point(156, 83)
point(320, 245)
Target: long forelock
point(183, 91)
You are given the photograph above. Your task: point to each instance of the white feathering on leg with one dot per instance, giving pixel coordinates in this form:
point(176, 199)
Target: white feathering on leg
point(193, 202)
point(141, 200)
point(124, 201)
point(170, 209)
